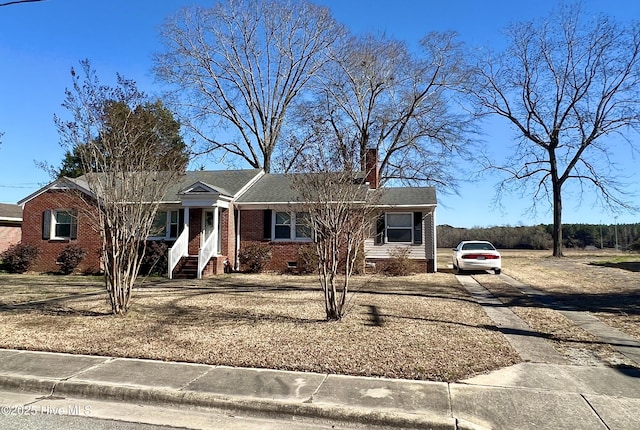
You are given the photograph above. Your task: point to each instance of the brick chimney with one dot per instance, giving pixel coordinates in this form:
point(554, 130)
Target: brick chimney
point(371, 168)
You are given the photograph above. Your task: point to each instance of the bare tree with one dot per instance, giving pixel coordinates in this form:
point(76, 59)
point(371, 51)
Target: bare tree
point(117, 134)
point(340, 212)
point(237, 67)
point(375, 93)
point(570, 86)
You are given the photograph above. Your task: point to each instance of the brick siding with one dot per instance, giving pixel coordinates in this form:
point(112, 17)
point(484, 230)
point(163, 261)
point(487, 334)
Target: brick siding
point(195, 230)
point(88, 236)
point(9, 235)
point(252, 231)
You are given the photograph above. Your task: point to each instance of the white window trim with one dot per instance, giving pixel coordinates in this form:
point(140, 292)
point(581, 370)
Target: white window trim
point(167, 226)
point(292, 229)
point(54, 223)
point(387, 228)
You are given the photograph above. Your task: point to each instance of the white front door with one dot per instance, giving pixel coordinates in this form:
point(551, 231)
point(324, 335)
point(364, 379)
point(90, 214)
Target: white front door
point(209, 225)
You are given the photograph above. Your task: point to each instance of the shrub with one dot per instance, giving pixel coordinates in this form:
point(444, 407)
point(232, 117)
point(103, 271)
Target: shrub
point(70, 257)
point(307, 259)
point(156, 259)
point(18, 258)
point(359, 266)
point(400, 264)
point(255, 257)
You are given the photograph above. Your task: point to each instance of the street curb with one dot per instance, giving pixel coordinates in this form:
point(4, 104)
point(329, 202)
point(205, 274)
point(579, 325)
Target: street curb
point(256, 407)
point(28, 384)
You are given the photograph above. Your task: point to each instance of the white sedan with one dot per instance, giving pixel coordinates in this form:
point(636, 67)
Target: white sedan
point(476, 255)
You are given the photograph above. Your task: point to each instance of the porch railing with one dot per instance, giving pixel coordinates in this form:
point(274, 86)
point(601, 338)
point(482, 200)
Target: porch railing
point(207, 251)
point(179, 249)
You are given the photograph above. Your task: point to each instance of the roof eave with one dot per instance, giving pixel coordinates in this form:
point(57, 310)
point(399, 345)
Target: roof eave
point(57, 184)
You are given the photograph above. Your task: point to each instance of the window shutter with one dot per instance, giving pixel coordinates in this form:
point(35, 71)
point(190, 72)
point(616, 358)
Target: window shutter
point(380, 230)
point(46, 225)
point(267, 224)
point(73, 234)
point(417, 228)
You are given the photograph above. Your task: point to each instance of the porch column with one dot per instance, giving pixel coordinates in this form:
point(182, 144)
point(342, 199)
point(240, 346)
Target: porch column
point(216, 230)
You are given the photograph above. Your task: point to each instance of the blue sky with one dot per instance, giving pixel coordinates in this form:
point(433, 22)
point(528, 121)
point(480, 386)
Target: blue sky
point(40, 42)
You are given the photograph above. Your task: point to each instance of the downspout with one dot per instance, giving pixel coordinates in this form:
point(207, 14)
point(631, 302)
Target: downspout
point(236, 263)
point(434, 229)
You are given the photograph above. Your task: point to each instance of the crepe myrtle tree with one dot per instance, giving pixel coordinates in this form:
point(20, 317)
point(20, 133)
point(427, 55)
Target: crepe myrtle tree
point(570, 87)
point(234, 70)
point(339, 212)
point(129, 158)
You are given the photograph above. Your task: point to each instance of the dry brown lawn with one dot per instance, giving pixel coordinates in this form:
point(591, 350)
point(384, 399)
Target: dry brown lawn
point(604, 283)
point(588, 281)
point(417, 327)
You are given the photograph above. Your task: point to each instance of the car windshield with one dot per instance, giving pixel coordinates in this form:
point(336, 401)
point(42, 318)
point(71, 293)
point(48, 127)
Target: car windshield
point(477, 247)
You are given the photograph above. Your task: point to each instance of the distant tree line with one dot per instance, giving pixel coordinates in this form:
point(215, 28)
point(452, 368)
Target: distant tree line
point(540, 236)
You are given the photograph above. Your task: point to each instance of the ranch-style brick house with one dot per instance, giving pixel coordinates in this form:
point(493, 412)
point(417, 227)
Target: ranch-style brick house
point(209, 216)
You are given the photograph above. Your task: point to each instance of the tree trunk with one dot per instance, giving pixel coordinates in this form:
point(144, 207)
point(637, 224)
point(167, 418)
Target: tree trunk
point(557, 218)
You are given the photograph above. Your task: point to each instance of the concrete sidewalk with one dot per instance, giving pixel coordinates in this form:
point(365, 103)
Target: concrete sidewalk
point(525, 396)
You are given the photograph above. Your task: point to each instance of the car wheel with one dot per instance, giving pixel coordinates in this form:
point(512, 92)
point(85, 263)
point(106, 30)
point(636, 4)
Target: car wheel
point(497, 271)
point(457, 270)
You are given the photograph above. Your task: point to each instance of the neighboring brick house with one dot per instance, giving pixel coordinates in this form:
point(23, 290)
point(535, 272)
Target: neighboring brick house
point(209, 216)
point(10, 225)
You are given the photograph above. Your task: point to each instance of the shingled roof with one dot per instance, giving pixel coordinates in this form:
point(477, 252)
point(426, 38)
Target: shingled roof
point(407, 196)
point(9, 212)
point(268, 189)
point(273, 189)
point(227, 182)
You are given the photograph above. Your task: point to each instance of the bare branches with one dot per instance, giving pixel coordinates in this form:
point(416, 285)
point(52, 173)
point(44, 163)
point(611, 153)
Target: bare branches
point(375, 93)
point(566, 85)
point(129, 156)
point(239, 65)
point(340, 213)
point(19, 1)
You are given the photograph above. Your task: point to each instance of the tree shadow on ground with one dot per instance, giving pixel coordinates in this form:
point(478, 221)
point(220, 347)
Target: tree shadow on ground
point(614, 303)
point(58, 306)
point(631, 266)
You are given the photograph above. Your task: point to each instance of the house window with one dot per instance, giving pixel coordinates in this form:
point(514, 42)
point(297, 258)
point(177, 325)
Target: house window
point(174, 224)
point(282, 227)
point(60, 224)
point(303, 225)
point(400, 227)
point(291, 226)
point(166, 225)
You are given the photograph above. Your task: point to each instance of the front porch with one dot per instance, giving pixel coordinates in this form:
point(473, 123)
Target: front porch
point(205, 245)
